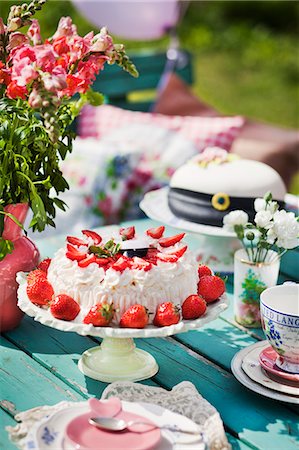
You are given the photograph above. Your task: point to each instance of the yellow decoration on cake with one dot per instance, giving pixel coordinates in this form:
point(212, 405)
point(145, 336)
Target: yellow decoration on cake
point(220, 201)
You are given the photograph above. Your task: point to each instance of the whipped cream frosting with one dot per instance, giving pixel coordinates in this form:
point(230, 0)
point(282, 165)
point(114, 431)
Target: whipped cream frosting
point(165, 281)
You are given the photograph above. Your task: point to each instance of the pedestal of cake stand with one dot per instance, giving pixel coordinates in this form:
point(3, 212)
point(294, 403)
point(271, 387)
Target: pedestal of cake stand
point(117, 359)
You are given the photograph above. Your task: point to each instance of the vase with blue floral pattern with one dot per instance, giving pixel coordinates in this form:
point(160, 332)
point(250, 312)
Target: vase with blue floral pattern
point(250, 280)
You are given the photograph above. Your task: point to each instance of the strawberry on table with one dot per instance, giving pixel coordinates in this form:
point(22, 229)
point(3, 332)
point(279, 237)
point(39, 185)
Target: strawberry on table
point(166, 314)
point(127, 233)
point(193, 307)
point(203, 270)
point(64, 307)
point(156, 233)
point(211, 287)
point(135, 317)
point(44, 265)
point(100, 315)
point(169, 241)
point(39, 290)
point(93, 235)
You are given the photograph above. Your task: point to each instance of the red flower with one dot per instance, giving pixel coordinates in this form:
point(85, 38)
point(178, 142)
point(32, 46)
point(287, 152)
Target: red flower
point(15, 91)
point(5, 77)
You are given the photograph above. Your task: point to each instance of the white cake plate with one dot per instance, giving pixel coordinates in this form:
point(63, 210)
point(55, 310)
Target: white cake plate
point(117, 358)
point(215, 246)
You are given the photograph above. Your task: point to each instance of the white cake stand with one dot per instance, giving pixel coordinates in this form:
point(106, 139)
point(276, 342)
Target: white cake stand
point(117, 358)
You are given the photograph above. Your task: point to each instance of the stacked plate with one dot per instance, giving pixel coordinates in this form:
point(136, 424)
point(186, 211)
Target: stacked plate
point(69, 428)
point(255, 368)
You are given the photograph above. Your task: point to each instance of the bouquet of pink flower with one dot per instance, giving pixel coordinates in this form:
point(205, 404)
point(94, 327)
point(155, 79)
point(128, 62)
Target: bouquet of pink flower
point(37, 82)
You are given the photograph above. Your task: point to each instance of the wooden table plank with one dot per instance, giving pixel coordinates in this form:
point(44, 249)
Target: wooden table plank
point(26, 384)
point(59, 352)
point(6, 420)
point(246, 414)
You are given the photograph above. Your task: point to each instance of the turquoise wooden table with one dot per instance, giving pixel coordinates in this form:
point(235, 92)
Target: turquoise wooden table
point(39, 366)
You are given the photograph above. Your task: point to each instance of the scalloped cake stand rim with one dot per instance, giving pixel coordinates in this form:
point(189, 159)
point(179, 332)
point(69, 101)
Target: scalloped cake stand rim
point(117, 358)
point(44, 316)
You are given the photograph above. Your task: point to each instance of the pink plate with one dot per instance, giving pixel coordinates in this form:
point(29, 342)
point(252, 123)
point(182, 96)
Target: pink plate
point(87, 437)
point(267, 359)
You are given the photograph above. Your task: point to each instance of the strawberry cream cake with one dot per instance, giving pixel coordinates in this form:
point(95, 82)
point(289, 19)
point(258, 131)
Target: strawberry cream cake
point(117, 271)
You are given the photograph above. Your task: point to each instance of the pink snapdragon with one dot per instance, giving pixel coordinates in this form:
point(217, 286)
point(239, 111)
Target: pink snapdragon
point(34, 32)
point(63, 65)
point(65, 28)
point(16, 39)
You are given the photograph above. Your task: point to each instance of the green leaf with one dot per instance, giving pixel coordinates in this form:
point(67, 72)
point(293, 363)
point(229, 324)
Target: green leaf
point(60, 203)
point(12, 217)
point(6, 247)
point(38, 209)
point(94, 98)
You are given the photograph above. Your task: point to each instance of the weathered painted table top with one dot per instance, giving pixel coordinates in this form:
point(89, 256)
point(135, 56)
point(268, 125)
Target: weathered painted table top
point(39, 366)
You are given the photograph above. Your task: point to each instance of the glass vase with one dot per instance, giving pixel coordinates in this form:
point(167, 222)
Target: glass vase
point(250, 280)
point(24, 257)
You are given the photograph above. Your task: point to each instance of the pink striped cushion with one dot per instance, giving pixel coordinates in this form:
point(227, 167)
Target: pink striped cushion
point(202, 131)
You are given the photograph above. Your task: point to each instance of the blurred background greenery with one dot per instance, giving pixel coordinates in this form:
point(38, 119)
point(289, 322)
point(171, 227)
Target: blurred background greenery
point(246, 54)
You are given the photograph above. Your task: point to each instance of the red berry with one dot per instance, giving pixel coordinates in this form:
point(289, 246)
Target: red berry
point(156, 233)
point(203, 270)
point(172, 256)
point(44, 265)
point(93, 235)
point(127, 233)
point(135, 317)
point(167, 257)
point(141, 264)
point(121, 264)
point(76, 241)
point(211, 287)
point(33, 276)
point(88, 260)
point(74, 254)
point(103, 261)
point(166, 314)
point(100, 315)
point(64, 307)
point(169, 241)
point(39, 290)
point(193, 307)
point(151, 255)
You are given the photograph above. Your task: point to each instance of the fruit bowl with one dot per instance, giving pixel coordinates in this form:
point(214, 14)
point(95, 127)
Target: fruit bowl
point(117, 358)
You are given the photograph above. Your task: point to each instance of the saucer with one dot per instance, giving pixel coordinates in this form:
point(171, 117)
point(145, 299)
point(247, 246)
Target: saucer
point(243, 378)
point(253, 369)
point(267, 359)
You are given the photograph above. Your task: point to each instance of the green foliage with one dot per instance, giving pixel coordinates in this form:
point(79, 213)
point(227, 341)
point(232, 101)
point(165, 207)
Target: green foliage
point(29, 160)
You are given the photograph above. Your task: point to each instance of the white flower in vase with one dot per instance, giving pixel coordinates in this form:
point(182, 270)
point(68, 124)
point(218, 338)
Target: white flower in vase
point(261, 204)
point(272, 230)
point(285, 230)
point(235, 218)
point(263, 219)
